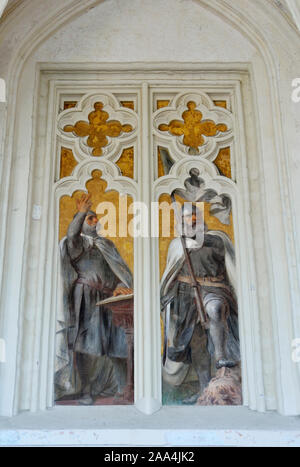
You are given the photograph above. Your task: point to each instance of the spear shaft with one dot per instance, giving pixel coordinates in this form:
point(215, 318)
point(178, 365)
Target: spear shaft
point(195, 284)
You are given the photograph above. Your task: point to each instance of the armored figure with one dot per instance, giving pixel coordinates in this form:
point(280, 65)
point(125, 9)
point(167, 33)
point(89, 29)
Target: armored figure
point(211, 256)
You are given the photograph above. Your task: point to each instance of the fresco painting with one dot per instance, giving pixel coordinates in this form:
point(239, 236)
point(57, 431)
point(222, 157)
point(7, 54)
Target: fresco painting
point(200, 342)
point(94, 364)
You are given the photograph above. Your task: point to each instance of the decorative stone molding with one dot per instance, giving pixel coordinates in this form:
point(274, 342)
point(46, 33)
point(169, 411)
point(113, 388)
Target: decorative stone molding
point(295, 10)
point(83, 172)
point(97, 126)
point(3, 4)
point(207, 172)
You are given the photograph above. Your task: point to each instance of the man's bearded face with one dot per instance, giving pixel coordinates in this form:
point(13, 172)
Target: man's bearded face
point(90, 225)
point(193, 224)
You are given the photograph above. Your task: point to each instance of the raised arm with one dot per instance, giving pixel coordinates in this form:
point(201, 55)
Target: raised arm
point(74, 238)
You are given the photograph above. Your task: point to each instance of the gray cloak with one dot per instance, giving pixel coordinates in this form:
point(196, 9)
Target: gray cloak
point(112, 345)
point(175, 372)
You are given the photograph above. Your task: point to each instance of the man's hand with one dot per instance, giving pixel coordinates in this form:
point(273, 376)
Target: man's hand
point(84, 204)
point(122, 291)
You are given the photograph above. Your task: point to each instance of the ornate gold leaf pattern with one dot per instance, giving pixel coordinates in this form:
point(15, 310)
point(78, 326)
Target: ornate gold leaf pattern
point(128, 104)
point(67, 162)
point(98, 129)
point(96, 187)
point(223, 162)
point(160, 166)
point(193, 127)
point(126, 163)
point(69, 104)
point(221, 104)
point(162, 103)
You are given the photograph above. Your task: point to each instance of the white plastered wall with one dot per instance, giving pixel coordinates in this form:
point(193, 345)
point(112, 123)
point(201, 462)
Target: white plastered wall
point(146, 31)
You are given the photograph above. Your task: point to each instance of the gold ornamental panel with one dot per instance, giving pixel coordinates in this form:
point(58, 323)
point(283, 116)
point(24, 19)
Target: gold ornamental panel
point(98, 128)
point(193, 127)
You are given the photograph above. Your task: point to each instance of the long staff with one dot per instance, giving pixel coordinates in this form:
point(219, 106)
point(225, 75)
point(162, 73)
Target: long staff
point(195, 284)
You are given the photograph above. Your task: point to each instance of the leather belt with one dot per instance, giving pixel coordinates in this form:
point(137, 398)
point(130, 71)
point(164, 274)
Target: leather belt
point(205, 281)
point(93, 285)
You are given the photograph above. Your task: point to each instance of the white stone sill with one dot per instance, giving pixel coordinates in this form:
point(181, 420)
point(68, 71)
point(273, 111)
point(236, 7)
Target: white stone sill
point(171, 426)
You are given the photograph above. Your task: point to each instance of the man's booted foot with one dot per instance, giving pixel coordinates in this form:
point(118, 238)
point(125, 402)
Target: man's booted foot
point(192, 399)
point(86, 399)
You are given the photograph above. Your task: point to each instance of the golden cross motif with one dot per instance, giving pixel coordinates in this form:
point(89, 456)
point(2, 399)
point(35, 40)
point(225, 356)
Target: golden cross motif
point(98, 128)
point(193, 127)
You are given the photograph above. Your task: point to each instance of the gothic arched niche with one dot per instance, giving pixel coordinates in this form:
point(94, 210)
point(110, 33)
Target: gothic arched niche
point(39, 37)
point(201, 347)
point(95, 319)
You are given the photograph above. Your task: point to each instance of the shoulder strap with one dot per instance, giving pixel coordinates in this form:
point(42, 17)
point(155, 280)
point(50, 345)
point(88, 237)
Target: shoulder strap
point(74, 261)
